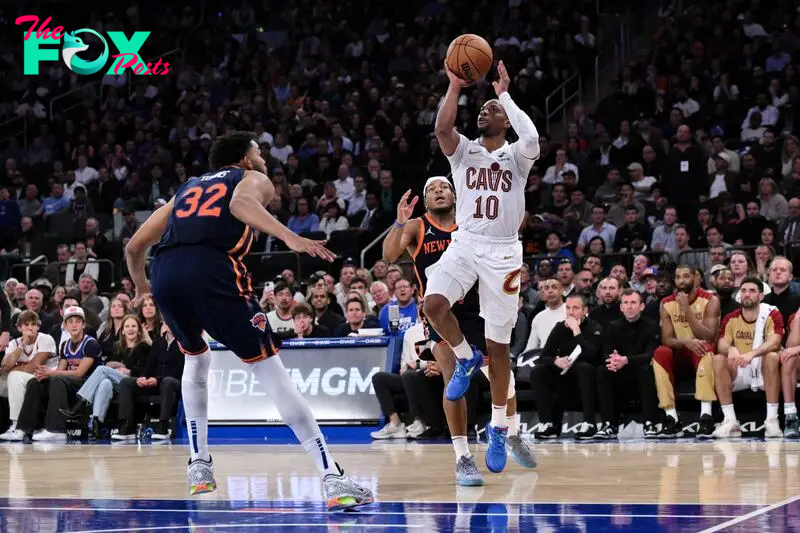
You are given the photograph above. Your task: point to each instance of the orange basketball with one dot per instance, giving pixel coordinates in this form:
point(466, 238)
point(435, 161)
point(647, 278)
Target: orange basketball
point(469, 56)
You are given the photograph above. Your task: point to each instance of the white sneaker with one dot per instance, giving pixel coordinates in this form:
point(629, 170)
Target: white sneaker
point(13, 435)
point(159, 436)
point(729, 428)
point(772, 429)
point(390, 431)
point(415, 430)
point(49, 436)
point(122, 438)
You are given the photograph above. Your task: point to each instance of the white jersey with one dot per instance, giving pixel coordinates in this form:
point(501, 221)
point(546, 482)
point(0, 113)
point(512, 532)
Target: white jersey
point(490, 188)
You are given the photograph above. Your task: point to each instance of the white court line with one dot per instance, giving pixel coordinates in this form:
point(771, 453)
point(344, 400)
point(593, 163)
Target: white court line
point(412, 501)
point(230, 526)
point(753, 514)
point(362, 512)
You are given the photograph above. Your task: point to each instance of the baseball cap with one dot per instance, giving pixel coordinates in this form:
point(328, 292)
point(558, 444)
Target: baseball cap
point(725, 157)
point(74, 310)
point(716, 269)
point(635, 166)
point(42, 282)
point(649, 272)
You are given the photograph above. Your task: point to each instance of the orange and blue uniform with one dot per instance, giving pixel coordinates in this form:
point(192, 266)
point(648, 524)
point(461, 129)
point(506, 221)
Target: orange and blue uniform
point(198, 276)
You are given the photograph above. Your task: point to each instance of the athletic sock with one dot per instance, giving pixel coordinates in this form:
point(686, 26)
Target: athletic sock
point(772, 410)
point(729, 412)
point(672, 412)
point(499, 416)
point(295, 412)
point(194, 390)
point(463, 350)
point(317, 448)
point(461, 446)
point(705, 408)
point(513, 425)
point(789, 408)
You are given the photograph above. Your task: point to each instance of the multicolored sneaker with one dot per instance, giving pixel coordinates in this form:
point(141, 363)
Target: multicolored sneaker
point(496, 450)
point(465, 369)
point(467, 473)
point(341, 492)
point(791, 428)
point(520, 451)
point(201, 476)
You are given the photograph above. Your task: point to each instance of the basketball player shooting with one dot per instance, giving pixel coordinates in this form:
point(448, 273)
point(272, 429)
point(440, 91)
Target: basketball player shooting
point(489, 176)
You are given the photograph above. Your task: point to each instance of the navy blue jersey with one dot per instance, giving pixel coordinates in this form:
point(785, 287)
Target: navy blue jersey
point(201, 215)
point(433, 240)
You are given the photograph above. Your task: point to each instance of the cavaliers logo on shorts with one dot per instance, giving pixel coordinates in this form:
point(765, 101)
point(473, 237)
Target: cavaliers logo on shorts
point(259, 321)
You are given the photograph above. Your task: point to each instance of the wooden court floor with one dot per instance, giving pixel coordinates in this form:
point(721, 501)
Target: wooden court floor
point(713, 481)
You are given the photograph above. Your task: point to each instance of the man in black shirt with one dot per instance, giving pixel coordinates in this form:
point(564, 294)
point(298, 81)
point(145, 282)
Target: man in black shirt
point(780, 281)
point(569, 359)
point(608, 305)
point(723, 284)
point(631, 231)
point(628, 346)
point(304, 327)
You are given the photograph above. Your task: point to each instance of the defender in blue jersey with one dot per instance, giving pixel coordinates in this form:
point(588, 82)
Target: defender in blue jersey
point(200, 282)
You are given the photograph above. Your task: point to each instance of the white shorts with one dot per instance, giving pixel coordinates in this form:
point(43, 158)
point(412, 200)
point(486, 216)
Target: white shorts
point(495, 263)
point(749, 377)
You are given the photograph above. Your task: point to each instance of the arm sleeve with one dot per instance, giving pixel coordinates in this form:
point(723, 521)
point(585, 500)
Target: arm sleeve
point(528, 144)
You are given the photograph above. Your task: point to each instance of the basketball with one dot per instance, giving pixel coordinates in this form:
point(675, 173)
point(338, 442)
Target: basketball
point(469, 56)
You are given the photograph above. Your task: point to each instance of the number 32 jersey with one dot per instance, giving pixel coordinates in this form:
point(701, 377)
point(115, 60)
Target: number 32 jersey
point(490, 187)
point(201, 214)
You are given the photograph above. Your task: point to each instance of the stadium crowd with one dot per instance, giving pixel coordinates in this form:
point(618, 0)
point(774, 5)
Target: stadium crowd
point(692, 160)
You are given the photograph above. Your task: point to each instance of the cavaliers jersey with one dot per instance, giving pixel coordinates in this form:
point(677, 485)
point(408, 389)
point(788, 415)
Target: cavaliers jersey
point(201, 215)
point(740, 333)
point(432, 241)
point(679, 322)
point(490, 187)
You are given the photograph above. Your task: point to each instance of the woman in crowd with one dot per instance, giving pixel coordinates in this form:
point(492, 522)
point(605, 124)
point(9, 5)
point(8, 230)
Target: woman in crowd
point(333, 220)
point(764, 256)
point(791, 151)
point(161, 377)
point(108, 333)
point(129, 357)
point(81, 263)
point(150, 317)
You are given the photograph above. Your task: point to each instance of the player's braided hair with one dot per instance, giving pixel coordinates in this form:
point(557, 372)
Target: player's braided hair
point(230, 149)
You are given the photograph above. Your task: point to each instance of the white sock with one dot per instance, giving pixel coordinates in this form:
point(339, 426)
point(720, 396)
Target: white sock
point(705, 408)
point(499, 416)
point(461, 446)
point(317, 448)
point(672, 412)
point(772, 410)
point(513, 425)
point(463, 350)
point(194, 390)
point(295, 412)
point(788, 409)
point(729, 412)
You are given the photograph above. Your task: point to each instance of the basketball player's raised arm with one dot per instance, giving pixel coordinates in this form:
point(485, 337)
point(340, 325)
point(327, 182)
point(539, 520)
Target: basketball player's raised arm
point(706, 329)
point(445, 130)
point(146, 236)
point(247, 205)
point(404, 232)
point(528, 144)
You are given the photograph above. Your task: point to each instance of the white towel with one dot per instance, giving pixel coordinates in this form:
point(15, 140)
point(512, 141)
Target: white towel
point(572, 357)
point(757, 378)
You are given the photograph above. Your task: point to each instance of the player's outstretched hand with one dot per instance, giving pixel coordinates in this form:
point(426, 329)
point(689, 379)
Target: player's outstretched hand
point(453, 77)
point(313, 248)
point(406, 208)
point(501, 85)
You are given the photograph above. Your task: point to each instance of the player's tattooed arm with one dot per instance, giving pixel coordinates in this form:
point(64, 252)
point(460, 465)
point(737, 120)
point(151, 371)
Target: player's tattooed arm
point(146, 236)
point(404, 233)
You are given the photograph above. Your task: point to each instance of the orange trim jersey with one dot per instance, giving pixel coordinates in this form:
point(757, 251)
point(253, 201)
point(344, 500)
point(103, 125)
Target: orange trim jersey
point(740, 333)
point(432, 241)
point(679, 322)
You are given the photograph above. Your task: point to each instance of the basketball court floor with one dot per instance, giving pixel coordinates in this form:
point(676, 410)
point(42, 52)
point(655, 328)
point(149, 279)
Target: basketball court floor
point(628, 487)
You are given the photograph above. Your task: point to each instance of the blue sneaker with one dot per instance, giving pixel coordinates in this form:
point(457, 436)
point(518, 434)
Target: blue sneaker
point(467, 474)
point(496, 451)
point(465, 369)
